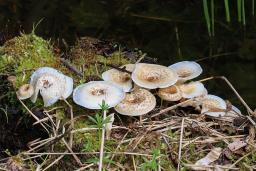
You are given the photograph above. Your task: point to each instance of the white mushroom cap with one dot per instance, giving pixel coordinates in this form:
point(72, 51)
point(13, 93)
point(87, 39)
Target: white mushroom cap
point(52, 85)
point(153, 76)
point(187, 70)
point(136, 103)
point(119, 78)
point(91, 94)
point(25, 91)
point(171, 93)
point(211, 104)
point(193, 89)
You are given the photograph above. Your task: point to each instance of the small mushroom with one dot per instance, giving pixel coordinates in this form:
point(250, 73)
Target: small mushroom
point(12, 79)
point(52, 85)
point(90, 95)
point(213, 106)
point(25, 91)
point(193, 89)
point(171, 93)
point(137, 103)
point(119, 78)
point(187, 70)
point(152, 76)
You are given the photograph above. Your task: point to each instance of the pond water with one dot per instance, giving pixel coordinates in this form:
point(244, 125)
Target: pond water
point(171, 30)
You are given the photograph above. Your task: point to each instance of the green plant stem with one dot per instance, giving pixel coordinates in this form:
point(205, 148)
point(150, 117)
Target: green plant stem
point(227, 11)
point(253, 4)
point(207, 16)
point(243, 13)
point(102, 142)
point(212, 17)
point(239, 11)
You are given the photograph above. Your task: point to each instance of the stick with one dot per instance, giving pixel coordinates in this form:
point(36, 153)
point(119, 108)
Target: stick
point(170, 108)
point(115, 67)
point(71, 67)
point(180, 145)
point(72, 122)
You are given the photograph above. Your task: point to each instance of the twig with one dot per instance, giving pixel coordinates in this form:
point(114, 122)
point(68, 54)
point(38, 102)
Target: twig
point(32, 114)
point(141, 58)
point(180, 145)
point(215, 56)
point(115, 67)
point(55, 161)
point(88, 153)
point(72, 122)
point(71, 151)
point(170, 108)
point(71, 67)
point(85, 167)
point(233, 89)
point(241, 158)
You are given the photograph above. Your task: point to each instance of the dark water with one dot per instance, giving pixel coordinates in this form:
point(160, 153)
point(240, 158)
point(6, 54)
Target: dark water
point(171, 30)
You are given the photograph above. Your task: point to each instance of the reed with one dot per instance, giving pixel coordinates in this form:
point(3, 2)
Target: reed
point(207, 16)
point(227, 10)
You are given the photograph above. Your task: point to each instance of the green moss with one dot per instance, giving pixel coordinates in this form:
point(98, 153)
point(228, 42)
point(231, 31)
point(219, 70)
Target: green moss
point(22, 54)
point(84, 55)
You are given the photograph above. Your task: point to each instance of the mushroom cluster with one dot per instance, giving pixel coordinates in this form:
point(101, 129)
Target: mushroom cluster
point(127, 88)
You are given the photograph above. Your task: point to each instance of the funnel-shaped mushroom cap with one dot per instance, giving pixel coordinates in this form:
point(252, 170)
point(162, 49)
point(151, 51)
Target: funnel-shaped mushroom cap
point(136, 103)
point(52, 85)
point(193, 89)
point(119, 78)
point(153, 76)
point(187, 70)
point(91, 94)
point(213, 106)
point(171, 93)
point(25, 91)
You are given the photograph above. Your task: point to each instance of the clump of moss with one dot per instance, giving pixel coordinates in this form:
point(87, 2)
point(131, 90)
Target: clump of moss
point(85, 55)
point(24, 53)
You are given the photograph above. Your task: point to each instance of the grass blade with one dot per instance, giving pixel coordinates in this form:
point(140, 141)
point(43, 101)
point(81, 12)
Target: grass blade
point(243, 13)
point(253, 3)
point(227, 11)
point(239, 10)
point(207, 16)
point(212, 17)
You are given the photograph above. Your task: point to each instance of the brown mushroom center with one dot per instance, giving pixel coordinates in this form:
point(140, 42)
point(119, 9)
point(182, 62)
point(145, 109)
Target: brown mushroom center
point(98, 91)
point(25, 87)
point(184, 72)
point(211, 104)
point(150, 76)
point(46, 84)
point(124, 77)
point(188, 88)
point(134, 98)
point(169, 90)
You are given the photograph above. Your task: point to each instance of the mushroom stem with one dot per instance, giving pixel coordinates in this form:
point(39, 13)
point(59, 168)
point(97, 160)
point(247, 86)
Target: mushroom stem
point(141, 119)
point(102, 142)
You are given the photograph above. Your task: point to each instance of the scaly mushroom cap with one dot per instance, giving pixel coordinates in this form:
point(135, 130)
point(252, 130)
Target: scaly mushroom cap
point(25, 91)
point(187, 70)
point(136, 103)
point(52, 85)
point(193, 89)
point(91, 94)
point(153, 76)
point(119, 78)
point(171, 93)
point(213, 106)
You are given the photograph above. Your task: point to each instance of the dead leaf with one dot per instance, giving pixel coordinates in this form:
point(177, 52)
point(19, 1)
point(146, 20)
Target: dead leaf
point(236, 145)
point(212, 156)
